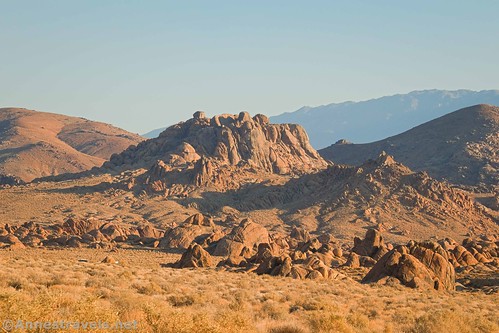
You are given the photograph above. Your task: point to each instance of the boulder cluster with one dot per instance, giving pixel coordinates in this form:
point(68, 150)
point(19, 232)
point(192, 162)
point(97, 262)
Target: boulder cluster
point(422, 265)
point(247, 246)
point(77, 233)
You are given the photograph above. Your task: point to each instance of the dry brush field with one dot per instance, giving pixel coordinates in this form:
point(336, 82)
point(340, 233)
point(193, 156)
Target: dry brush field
point(74, 285)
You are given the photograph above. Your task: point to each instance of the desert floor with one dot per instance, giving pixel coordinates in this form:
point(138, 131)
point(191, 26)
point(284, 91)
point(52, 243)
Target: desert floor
point(74, 285)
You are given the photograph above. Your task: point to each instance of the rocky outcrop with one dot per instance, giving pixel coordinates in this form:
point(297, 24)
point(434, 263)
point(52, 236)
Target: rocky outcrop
point(80, 227)
point(246, 235)
point(196, 228)
point(211, 152)
point(195, 256)
point(10, 180)
point(370, 245)
point(418, 265)
point(311, 268)
point(78, 233)
point(382, 193)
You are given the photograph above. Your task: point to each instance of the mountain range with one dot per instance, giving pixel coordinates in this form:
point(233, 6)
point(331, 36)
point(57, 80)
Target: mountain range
point(376, 119)
point(234, 166)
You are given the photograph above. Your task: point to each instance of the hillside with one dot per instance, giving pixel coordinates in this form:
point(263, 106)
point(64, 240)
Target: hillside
point(461, 147)
point(237, 166)
point(35, 144)
point(375, 119)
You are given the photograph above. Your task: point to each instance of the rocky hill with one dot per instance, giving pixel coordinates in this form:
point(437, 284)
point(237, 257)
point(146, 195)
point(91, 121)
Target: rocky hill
point(461, 147)
point(344, 200)
point(223, 152)
point(375, 119)
point(36, 144)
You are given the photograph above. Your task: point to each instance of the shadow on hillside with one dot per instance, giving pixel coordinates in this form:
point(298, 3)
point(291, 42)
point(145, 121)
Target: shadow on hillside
point(291, 195)
point(85, 189)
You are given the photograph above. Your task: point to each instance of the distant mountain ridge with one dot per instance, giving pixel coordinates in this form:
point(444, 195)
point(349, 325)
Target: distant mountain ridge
point(376, 119)
point(461, 147)
point(36, 144)
point(154, 133)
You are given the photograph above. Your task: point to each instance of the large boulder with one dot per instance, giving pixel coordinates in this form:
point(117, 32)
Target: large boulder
point(353, 260)
point(80, 227)
point(12, 242)
point(149, 231)
point(182, 236)
point(462, 257)
point(114, 232)
point(195, 256)
point(433, 256)
point(419, 265)
point(370, 245)
point(200, 219)
point(246, 235)
point(196, 228)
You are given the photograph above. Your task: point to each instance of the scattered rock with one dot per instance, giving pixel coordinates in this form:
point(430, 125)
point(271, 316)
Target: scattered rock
point(109, 260)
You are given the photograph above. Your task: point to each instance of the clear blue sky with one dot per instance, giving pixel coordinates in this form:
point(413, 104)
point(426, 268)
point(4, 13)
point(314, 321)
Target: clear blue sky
point(146, 64)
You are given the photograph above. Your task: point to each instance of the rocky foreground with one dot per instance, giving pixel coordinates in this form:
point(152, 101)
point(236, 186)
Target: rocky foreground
point(251, 248)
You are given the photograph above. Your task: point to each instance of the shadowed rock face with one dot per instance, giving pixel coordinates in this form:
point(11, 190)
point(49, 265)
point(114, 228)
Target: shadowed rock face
point(210, 151)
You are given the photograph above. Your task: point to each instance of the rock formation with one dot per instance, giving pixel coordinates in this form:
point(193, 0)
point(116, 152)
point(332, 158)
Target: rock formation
point(380, 192)
point(224, 152)
point(195, 256)
point(418, 265)
point(243, 237)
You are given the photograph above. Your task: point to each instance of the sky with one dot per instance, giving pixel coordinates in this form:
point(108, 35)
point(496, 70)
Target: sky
point(141, 65)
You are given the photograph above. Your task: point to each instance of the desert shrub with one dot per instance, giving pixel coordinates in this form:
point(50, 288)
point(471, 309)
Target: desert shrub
point(453, 321)
point(150, 288)
point(181, 300)
point(287, 329)
point(17, 284)
point(358, 320)
point(329, 322)
point(274, 310)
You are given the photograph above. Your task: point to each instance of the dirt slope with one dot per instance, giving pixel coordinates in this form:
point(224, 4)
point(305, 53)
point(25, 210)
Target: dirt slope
point(462, 147)
point(35, 144)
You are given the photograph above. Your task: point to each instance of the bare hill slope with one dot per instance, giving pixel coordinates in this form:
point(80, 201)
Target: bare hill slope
point(35, 144)
point(461, 147)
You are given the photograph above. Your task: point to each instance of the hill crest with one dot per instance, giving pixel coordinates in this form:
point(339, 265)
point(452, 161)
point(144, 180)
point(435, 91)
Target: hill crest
point(36, 144)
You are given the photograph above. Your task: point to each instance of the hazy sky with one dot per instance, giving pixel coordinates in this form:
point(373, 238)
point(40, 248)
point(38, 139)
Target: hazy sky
point(141, 65)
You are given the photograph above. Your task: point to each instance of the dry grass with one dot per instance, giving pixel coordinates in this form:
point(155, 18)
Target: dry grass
point(48, 285)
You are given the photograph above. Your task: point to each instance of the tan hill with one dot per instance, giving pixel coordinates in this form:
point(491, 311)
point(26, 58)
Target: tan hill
point(461, 147)
point(224, 152)
point(35, 144)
